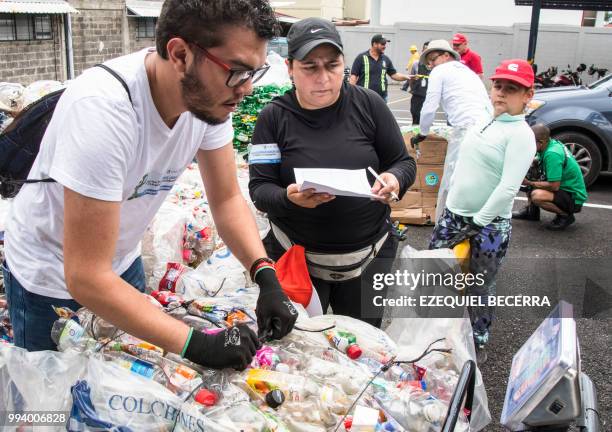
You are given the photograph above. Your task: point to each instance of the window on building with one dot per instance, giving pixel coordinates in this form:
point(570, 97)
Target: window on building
point(7, 27)
point(25, 27)
point(589, 18)
point(42, 27)
point(146, 27)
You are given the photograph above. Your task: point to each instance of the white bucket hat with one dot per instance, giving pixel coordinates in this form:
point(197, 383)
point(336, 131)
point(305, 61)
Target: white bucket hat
point(439, 45)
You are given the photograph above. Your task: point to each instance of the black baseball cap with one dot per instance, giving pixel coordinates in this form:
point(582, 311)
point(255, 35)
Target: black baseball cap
point(307, 34)
point(378, 38)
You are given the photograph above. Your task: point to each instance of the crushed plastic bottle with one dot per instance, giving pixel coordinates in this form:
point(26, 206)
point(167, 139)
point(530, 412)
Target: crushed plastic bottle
point(345, 342)
point(68, 334)
point(95, 326)
point(138, 366)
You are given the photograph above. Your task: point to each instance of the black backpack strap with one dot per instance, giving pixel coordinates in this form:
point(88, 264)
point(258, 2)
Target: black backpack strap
point(8, 182)
point(118, 77)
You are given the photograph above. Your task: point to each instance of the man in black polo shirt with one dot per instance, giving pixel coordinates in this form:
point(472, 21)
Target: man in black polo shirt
point(370, 68)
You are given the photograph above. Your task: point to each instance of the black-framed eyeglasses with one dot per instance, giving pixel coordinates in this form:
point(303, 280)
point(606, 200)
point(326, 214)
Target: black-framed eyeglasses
point(237, 77)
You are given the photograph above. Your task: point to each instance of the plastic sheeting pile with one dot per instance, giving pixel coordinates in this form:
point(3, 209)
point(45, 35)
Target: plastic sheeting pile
point(305, 383)
point(274, 83)
point(245, 116)
point(15, 97)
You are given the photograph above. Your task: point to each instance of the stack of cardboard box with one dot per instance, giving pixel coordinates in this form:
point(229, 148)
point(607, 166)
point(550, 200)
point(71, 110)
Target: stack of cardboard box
point(418, 206)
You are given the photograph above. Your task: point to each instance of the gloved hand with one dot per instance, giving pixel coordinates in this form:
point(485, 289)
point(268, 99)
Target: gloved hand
point(415, 140)
point(232, 347)
point(276, 315)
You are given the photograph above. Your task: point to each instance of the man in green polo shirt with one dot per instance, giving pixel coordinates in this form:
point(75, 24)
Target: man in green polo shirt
point(563, 192)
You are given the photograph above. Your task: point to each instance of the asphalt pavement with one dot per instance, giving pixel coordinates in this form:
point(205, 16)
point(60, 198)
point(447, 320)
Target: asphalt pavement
point(556, 264)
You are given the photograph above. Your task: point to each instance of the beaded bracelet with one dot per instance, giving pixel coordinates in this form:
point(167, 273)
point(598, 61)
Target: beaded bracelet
point(262, 267)
point(258, 262)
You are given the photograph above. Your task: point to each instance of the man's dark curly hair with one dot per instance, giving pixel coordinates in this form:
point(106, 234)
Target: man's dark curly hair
point(200, 21)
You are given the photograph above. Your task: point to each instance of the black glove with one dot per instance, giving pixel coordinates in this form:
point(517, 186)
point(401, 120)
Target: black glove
point(233, 347)
point(276, 315)
point(415, 140)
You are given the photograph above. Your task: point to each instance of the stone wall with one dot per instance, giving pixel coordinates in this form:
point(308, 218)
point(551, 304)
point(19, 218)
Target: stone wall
point(28, 61)
point(97, 32)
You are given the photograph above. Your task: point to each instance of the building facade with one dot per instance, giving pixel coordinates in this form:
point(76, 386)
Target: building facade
point(31, 45)
point(34, 35)
point(328, 9)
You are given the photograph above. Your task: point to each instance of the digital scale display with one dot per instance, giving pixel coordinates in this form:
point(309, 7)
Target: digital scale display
point(534, 363)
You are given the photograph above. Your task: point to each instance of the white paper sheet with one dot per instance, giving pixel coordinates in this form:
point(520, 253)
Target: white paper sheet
point(353, 183)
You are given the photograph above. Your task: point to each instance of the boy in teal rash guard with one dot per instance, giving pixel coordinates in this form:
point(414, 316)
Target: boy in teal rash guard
point(496, 154)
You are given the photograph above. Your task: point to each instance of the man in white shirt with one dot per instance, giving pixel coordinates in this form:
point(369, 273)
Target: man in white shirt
point(115, 154)
point(462, 95)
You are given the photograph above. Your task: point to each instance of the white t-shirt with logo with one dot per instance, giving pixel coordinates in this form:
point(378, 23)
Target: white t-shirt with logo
point(101, 146)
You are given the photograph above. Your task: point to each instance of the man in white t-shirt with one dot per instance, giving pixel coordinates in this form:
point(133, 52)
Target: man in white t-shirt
point(462, 95)
point(115, 154)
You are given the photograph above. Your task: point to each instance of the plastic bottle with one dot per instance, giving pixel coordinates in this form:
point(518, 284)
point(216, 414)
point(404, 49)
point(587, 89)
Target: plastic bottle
point(69, 334)
point(143, 351)
point(74, 331)
point(171, 279)
point(166, 297)
point(95, 326)
point(206, 397)
point(334, 400)
point(345, 342)
point(275, 398)
point(267, 358)
point(197, 323)
point(138, 366)
point(397, 373)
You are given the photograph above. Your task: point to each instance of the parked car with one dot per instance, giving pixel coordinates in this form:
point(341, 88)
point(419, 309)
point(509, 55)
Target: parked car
point(581, 118)
point(279, 46)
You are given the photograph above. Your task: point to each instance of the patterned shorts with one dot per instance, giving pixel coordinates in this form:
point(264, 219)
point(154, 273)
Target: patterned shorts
point(487, 251)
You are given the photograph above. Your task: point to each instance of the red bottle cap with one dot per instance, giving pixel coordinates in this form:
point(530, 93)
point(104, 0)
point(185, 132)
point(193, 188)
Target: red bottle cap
point(348, 422)
point(353, 351)
point(206, 397)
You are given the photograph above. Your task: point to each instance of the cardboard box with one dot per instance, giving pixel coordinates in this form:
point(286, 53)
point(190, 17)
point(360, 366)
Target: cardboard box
point(428, 178)
point(433, 149)
point(430, 215)
point(414, 216)
point(410, 216)
point(429, 200)
point(411, 199)
point(416, 199)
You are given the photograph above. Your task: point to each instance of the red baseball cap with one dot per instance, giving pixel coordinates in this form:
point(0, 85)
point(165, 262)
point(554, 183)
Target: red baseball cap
point(459, 38)
point(517, 70)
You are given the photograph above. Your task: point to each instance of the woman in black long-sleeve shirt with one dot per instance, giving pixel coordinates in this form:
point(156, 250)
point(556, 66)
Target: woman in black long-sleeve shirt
point(326, 123)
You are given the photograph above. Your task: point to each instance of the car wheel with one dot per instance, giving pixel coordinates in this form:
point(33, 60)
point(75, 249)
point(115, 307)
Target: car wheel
point(585, 151)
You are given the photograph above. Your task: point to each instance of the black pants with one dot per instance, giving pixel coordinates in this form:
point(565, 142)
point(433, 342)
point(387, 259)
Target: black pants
point(416, 104)
point(345, 297)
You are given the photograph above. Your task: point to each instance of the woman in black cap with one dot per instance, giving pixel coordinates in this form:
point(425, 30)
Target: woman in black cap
point(324, 122)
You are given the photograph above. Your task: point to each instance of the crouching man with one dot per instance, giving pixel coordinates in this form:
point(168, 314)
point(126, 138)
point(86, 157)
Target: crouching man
point(562, 192)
